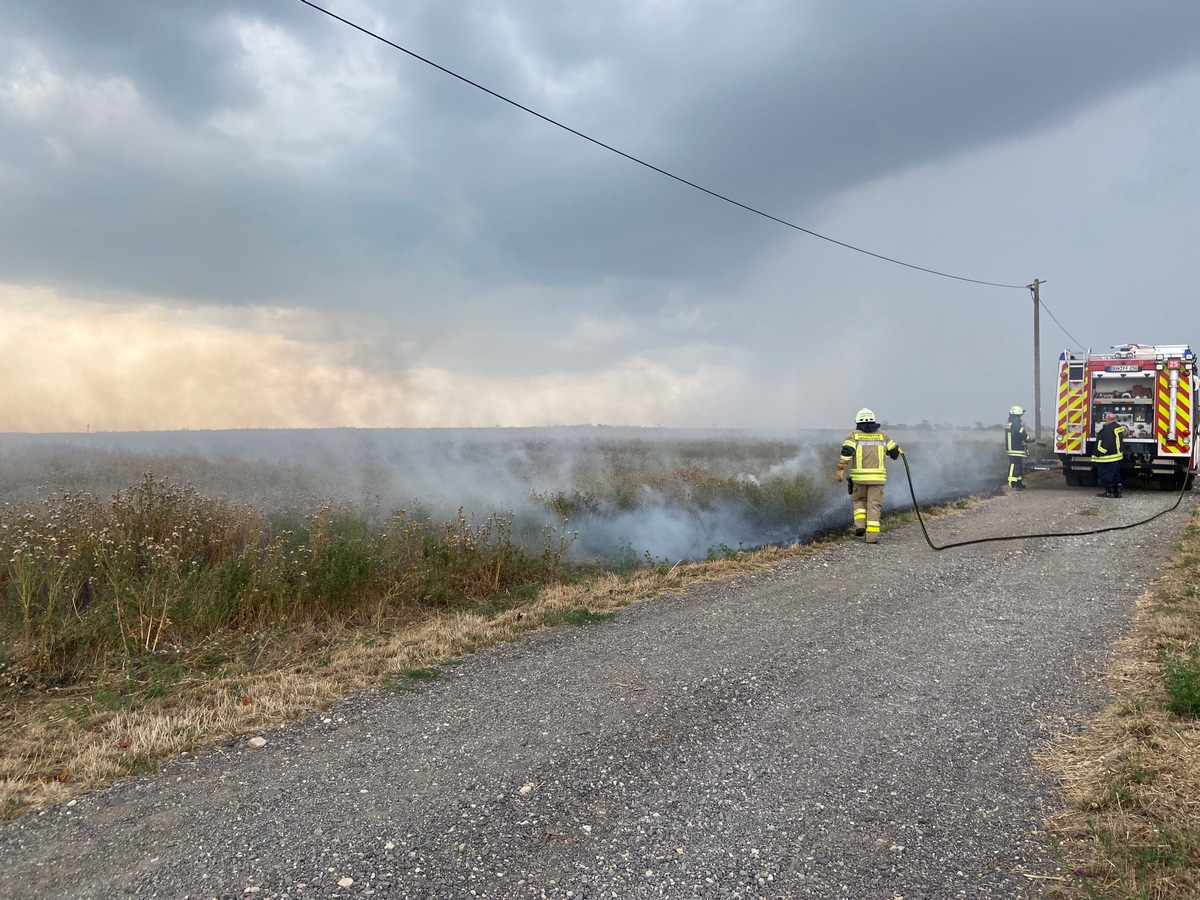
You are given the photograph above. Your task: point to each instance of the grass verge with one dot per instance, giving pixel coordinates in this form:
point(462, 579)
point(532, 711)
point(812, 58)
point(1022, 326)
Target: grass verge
point(57, 742)
point(156, 699)
point(1131, 779)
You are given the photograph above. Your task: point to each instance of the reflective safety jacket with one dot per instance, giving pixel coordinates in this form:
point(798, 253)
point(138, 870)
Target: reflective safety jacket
point(1108, 444)
point(864, 452)
point(1016, 437)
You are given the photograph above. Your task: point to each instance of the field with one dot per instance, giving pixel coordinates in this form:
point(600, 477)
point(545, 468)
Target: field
point(165, 591)
point(160, 591)
point(674, 494)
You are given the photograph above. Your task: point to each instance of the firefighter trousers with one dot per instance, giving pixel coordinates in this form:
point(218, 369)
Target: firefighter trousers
point(868, 506)
point(1108, 474)
point(1016, 470)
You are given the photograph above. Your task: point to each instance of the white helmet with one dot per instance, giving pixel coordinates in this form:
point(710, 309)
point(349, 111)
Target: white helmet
point(863, 415)
point(1017, 411)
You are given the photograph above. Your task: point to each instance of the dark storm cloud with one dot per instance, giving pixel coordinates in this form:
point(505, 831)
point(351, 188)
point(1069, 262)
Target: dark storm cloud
point(857, 92)
point(779, 105)
point(161, 46)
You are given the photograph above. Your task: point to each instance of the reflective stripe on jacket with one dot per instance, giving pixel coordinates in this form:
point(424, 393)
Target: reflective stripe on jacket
point(1016, 437)
point(1108, 444)
point(865, 450)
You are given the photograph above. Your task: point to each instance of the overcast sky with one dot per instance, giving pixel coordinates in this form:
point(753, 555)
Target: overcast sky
point(247, 214)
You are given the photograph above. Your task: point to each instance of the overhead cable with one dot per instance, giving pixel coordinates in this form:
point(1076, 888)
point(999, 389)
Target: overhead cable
point(650, 166)
point(1078, 345)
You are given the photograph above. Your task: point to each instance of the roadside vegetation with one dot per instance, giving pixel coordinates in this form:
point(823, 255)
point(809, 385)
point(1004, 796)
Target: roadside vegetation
point(159, 618)
point(1130, 829)
point(164, 621)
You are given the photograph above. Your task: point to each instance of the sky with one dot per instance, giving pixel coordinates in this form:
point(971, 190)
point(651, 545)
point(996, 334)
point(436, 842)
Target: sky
point(218, 214)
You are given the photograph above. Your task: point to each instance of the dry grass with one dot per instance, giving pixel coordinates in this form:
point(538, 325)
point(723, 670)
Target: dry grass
point(1131, 778)
point(57, 743)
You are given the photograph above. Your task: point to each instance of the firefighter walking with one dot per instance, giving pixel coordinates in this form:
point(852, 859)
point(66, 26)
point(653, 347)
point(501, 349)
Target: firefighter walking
point(863, 451)
point(1108, 456)
point(1016, 440)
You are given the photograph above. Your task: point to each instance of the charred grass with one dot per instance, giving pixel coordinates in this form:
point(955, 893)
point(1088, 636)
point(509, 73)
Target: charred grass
point(1131, 778)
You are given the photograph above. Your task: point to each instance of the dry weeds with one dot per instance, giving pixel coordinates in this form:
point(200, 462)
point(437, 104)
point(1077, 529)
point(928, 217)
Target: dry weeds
point(1131, 779)
point(58, 743)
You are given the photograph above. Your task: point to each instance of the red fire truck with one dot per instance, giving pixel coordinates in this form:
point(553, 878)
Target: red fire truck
point(1152, 390)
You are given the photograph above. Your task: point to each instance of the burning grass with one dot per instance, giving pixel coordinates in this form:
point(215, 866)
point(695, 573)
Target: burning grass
point(1131, 778)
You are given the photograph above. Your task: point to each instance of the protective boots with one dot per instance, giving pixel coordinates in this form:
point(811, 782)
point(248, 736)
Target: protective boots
point(1113, 492)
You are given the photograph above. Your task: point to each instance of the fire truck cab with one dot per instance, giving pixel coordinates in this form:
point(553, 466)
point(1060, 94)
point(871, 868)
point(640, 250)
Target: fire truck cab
point(1152, 390)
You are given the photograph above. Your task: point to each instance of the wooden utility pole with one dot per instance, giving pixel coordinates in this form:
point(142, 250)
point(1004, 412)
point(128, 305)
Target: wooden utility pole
point(1037, 362)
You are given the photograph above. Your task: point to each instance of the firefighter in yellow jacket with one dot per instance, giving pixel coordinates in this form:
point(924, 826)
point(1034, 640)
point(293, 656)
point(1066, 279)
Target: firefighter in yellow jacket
point(863, 451)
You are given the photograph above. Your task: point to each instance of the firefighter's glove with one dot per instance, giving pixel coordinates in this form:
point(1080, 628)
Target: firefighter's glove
point(894, 453)
point(849, 485)
point(839, 475)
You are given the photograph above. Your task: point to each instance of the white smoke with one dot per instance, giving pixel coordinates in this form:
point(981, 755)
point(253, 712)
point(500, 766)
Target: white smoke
point(514, 471)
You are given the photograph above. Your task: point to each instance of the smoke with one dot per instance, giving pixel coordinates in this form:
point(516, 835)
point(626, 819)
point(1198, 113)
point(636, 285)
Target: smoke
point(621, 493)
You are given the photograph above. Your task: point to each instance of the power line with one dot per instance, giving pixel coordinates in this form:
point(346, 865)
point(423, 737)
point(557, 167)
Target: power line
point(1060, 325)
point(650, 166)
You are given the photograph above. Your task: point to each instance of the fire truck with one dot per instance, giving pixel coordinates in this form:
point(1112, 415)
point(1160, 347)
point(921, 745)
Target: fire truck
point(1152, 389)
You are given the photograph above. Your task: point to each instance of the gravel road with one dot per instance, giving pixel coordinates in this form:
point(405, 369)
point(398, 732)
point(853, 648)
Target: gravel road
point(856, 724)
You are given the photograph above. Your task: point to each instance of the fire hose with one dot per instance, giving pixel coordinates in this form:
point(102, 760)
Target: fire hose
point(1183, 486)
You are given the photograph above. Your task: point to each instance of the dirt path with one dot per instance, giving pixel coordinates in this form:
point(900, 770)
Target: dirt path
point(855, 724)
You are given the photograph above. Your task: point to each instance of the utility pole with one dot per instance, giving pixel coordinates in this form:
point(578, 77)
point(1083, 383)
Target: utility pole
point(1037, 363)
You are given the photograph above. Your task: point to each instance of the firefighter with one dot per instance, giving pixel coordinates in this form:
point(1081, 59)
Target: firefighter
point(1109, 456)
point(1016, 439)
point(863, 451)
